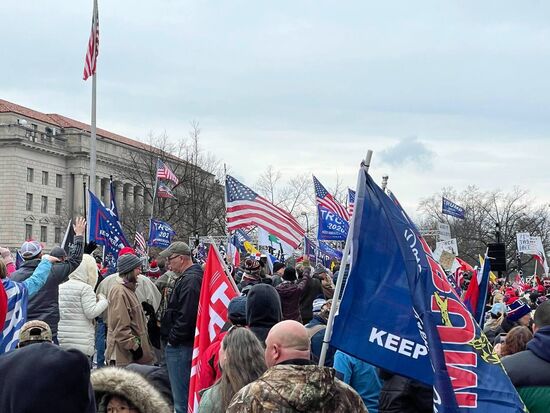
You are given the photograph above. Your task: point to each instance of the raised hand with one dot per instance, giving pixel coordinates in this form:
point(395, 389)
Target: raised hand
point(79, 226)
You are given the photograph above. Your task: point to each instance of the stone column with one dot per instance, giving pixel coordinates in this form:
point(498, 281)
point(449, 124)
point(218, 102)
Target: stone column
point(119, 188)
point(138, 198)
point(98, 189)
point(129, 189)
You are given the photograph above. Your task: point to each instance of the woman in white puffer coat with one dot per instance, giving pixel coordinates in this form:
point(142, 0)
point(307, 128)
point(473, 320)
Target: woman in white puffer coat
point(79, 306)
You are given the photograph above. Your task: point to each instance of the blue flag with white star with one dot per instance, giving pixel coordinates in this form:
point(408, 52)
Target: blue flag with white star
point(105, 229)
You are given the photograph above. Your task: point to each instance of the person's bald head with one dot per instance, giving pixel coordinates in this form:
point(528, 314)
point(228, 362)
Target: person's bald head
point(286, 340)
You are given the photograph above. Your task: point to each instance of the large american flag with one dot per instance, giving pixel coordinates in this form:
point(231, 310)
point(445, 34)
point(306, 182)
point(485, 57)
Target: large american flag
point(93, 46)
point(245, 207)
point(140, 245)
point(325, 199)
point(163, 172)
point(351, 201)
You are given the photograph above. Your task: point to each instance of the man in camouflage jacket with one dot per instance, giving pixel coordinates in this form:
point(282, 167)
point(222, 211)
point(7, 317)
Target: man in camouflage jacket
point(293, 383)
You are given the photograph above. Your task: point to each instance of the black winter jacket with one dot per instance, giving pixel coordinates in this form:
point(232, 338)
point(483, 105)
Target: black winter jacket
point(263, 310)
point(44, 305)
point(402, 395)
point(529, 371)
point(178, 323)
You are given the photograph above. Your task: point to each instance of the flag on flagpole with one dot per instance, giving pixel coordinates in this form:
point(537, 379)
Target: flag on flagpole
point(164, 192)
point(476, 294)
point(113, 207)
point(163, 172)
point(140, 245)
point(90, 62)
point(267, 239)
point(351, 201)
point(326, 200)
point(216, 292)
point(429, 334)
point(68, 238)
point(245, 207)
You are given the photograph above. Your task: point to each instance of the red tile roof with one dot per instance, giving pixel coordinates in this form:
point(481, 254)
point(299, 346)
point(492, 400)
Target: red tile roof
point(65, 122)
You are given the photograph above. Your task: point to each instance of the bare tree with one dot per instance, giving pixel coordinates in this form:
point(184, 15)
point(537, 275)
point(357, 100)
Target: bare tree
point(514, 212)
point(198, 206)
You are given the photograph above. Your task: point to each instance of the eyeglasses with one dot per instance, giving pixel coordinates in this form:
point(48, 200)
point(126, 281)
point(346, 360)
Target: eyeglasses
point(175, 256)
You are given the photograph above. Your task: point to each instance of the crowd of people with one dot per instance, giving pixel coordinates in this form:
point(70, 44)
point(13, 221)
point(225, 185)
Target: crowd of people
point(77, 339)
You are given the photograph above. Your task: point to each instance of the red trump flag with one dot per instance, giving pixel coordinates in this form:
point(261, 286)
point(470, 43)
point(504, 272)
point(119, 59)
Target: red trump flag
point(216, 292)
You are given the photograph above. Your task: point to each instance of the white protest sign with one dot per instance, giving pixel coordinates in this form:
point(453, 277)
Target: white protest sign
point(449, 245)
point(524, 242)
point(444, 232)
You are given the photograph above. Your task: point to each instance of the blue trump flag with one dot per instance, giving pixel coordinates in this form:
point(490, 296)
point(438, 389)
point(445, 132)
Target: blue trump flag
point(396, 287)
point(328, 254)
point(310, 250)
point(332, 227)
point(450, 208)
point(160, 234)
point(104, 228)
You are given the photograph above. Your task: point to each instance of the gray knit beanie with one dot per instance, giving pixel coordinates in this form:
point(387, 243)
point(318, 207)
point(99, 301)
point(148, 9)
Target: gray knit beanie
point(127, 263)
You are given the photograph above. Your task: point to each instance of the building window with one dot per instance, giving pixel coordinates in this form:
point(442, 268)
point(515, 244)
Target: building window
point(57, 206)
point(58, 181)
point(45, 176)
point(44, 205)
point(28, 231)
point(30, 175)
point(57, 235)
point(43, 234)
point(29, 202)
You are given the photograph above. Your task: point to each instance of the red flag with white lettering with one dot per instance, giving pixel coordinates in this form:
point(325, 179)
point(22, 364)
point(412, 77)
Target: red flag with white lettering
point(216, 292)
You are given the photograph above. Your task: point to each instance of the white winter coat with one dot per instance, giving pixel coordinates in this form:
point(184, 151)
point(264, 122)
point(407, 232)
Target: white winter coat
point(78, 307)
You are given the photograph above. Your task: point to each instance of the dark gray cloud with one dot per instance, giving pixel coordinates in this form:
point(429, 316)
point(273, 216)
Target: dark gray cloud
point(408, 152)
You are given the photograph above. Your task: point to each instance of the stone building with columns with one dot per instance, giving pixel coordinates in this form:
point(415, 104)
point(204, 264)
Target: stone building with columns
point(44, 162)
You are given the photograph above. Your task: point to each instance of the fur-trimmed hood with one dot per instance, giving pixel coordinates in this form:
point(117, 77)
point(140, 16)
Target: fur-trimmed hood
point(133, 387)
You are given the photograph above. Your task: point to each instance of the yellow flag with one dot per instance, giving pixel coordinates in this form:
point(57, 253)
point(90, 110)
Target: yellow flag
point(251, 249)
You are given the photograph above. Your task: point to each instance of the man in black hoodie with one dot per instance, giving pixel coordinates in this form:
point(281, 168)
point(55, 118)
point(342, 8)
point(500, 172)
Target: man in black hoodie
point(263, 310)
point(177, 326)
point(529, 370)
point(45, 378)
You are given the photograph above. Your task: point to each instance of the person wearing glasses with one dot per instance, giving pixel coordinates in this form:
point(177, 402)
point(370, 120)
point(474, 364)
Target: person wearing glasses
point(177, 326)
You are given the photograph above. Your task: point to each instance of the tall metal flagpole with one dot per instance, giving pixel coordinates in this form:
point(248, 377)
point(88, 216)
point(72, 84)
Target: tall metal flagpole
point(343, 264)
point(93, 128)
point(154, 199)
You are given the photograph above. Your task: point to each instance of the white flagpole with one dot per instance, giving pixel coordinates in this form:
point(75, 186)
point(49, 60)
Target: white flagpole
point(343, 264)
point(154, 199)
point(93, 128)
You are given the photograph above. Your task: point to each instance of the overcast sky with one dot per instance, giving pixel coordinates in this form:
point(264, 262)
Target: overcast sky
point(446, 93)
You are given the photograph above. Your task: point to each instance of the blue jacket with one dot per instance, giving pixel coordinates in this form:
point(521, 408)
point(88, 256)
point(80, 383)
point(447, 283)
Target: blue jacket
point(18, 296)
point(361, 376)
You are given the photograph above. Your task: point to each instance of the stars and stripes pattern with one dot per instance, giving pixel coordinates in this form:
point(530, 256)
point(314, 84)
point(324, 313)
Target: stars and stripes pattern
point(325, 199)
point(164, 192)
point(163, 172)
point(90, 62)
point(245, 207)
point(140, 245)
point(351, 201)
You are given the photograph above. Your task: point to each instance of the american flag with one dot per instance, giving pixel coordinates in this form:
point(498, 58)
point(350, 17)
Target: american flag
point(92, 52)
point(140, 245)
point(325, 199)
point(164, 192)
point(245, 207)
point(163, 172)
point(351, 201)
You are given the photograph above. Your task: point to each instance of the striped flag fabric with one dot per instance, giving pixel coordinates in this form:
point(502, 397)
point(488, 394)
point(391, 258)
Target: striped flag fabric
point(351, 201)
point(90, 63)
point(164, 192)
point(244, 207)
point(325, 199)
point(163, 172)
point(217, 291)
point(140, 245)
